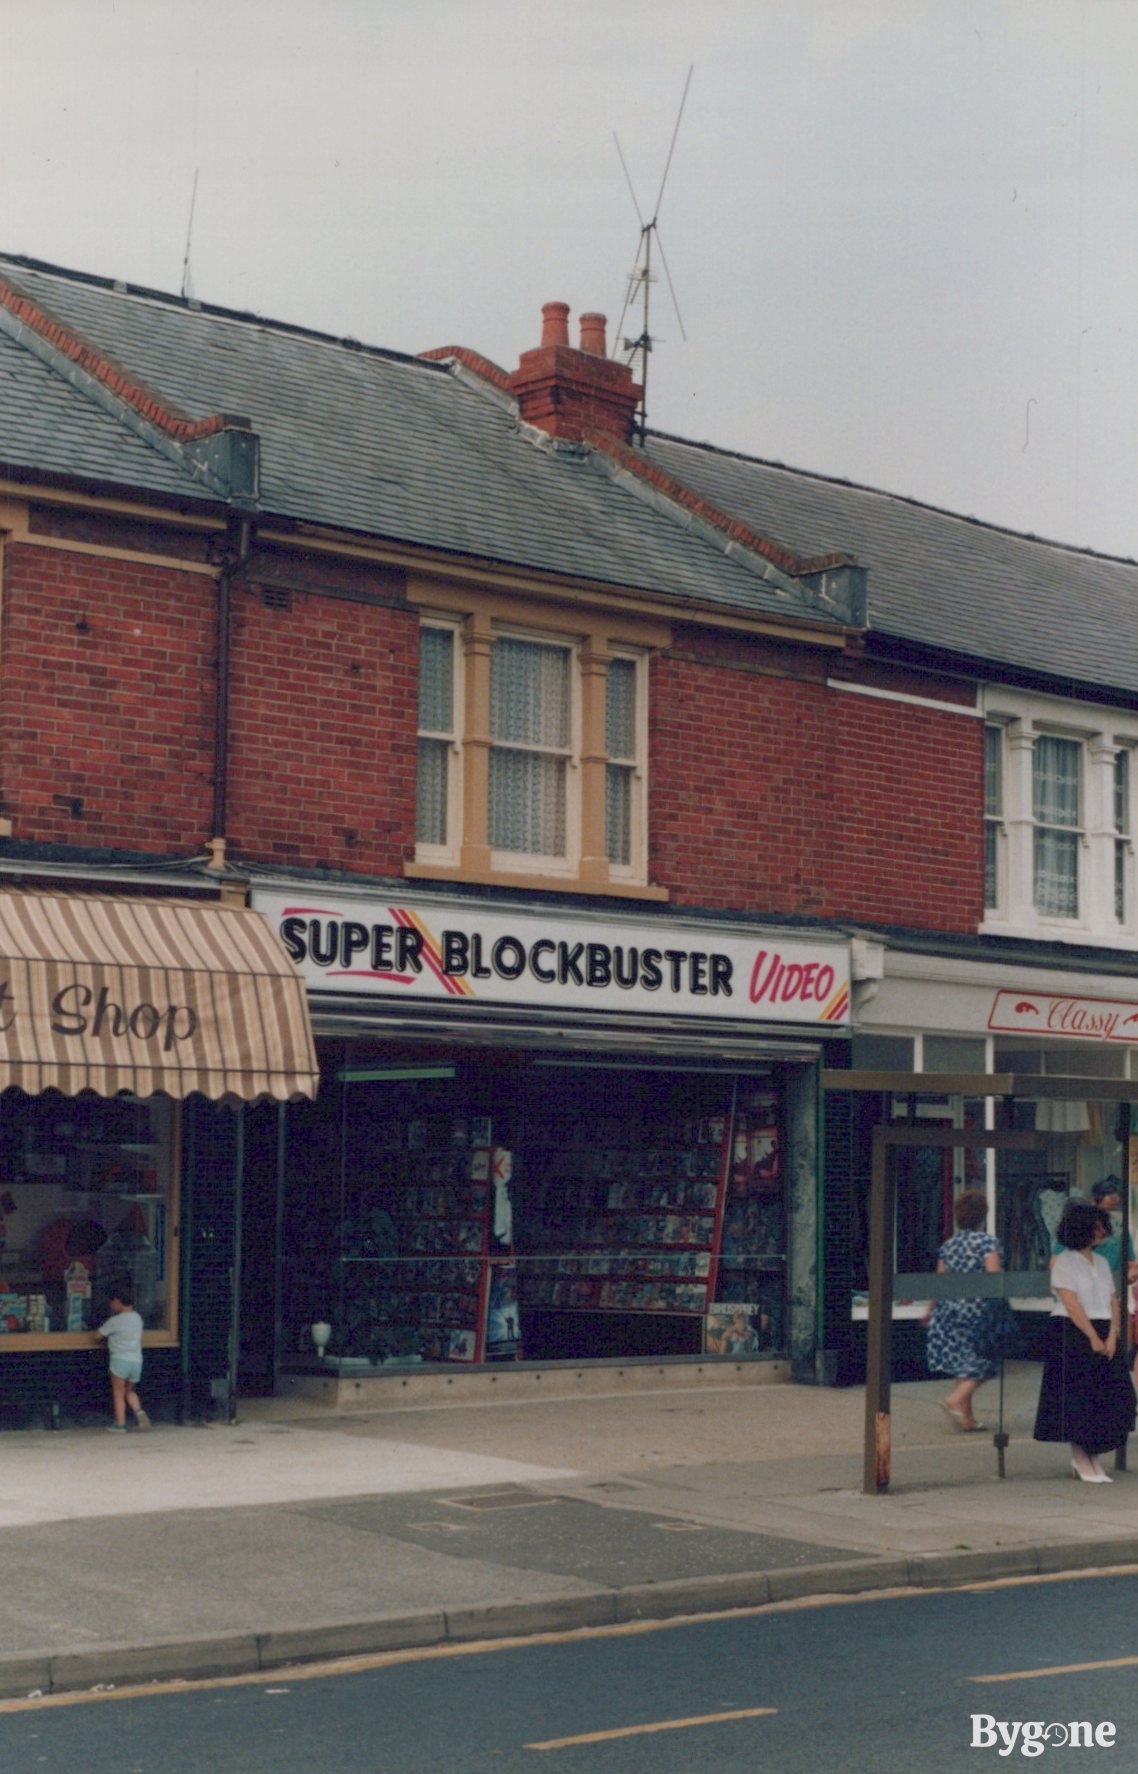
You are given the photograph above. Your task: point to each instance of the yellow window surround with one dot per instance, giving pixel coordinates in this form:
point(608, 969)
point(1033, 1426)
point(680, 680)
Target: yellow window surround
point(596, 636)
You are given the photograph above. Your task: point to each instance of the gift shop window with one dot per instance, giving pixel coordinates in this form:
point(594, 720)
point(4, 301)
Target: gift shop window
point(86, 1207)
point(532, 760)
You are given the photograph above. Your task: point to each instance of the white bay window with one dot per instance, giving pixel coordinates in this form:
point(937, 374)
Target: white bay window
point(1058, 819)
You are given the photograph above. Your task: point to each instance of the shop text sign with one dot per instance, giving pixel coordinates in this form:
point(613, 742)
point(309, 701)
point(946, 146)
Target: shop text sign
point(81, 1010)
point(1048, 1013)
point(522, 958)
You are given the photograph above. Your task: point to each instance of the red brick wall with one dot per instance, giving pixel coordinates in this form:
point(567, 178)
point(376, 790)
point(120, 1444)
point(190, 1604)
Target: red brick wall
point(95, 656)
point(107, 706)
point(772, 794)
point(769, 793)
point(324, 702)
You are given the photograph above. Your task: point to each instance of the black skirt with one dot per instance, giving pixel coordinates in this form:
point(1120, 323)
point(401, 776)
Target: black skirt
point(1084, 1398)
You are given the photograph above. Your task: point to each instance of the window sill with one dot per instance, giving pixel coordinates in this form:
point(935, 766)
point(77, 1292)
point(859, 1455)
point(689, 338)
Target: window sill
point(20, 1342)
point(1057, 930)
point(538, 883)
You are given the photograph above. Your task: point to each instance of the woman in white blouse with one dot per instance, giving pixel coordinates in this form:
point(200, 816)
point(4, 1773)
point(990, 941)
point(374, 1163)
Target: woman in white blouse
point(1086, 1397)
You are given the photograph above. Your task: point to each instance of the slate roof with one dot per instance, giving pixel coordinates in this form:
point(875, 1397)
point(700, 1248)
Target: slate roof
point(935, 579)
point(366, 440)
point(390, 446)
point(45, 424)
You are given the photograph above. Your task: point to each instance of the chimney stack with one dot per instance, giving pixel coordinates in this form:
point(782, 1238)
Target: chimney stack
point(571, 393)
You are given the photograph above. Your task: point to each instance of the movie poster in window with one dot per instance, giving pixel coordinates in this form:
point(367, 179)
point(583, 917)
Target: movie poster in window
point(503, 1335)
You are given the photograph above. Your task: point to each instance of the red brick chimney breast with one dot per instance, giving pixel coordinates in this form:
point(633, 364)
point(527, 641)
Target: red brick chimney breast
point(571, 393)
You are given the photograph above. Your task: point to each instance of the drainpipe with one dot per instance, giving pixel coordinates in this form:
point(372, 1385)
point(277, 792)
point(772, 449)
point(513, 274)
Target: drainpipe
point(233, 563)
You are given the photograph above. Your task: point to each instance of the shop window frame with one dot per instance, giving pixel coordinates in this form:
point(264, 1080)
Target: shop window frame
point(168, 1336)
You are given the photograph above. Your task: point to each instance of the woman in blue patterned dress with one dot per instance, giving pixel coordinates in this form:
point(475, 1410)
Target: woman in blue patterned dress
point(954, 1323)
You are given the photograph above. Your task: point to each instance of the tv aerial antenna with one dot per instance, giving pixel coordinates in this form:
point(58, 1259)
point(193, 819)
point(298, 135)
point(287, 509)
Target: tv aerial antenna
point(642, 277)
point(187, 275)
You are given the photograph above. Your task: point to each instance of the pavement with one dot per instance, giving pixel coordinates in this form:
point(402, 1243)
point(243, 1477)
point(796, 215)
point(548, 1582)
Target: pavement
point(296, 1534)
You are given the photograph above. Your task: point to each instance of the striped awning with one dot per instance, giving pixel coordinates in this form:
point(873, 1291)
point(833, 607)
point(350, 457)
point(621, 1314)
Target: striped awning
point(149, 995)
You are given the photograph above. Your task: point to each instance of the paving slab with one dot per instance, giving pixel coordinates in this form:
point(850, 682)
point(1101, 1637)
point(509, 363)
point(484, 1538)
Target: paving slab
point(600, 1544)
point(285, 1538)
point(75, 1474)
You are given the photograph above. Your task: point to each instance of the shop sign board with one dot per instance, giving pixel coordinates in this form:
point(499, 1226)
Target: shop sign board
point(1053, 1013)
point(493, 956)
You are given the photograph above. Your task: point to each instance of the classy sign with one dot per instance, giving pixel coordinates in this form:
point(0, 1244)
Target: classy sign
point(501, 957)
point(1049, 1013)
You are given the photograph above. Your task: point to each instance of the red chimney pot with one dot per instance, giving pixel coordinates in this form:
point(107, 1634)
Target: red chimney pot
point(593, 335)
point(555, 323)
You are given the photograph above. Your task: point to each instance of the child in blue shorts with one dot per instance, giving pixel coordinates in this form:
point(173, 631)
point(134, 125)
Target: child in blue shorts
point(123, 1332)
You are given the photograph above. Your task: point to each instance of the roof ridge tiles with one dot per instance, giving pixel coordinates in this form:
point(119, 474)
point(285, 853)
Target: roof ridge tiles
point(733, 529)
point(855, 486)
point(121, 382)
point(474, 360)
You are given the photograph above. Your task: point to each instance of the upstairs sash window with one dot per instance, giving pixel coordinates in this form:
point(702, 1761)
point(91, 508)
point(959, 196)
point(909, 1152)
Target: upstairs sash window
point(1058, 832)
point(621, 728)
point(437, 735)
point(993, 811)
point(531, 749)
point(1122, 835)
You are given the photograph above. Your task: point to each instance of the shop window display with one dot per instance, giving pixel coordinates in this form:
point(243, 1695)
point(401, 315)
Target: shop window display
point(393, 1223)
point(485, 1211)
point(85, 1201)
point(1083, 1143)
point(754, 1238)
point(647, 1198)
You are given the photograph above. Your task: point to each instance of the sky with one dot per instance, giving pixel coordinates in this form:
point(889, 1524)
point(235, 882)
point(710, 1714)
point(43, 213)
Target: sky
point(902, 234)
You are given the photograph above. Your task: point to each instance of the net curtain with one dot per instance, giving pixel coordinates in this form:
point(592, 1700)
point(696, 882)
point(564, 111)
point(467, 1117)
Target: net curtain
point(1056, 812)
point(530, 730)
